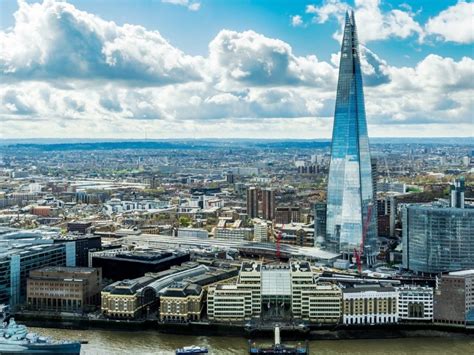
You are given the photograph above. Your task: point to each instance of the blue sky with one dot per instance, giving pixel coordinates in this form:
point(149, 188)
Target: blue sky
point(226, 68)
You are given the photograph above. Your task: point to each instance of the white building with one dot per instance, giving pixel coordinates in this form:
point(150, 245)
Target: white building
point(260, 232)
point(275, 291)
point(415, 303)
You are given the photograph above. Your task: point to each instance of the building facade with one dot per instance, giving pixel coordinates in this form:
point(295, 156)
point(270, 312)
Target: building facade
point(454, 298)
point(268, 204)
point(350, 187)
point(275, 292)
point(415, 303)
point(17, 262)
point(252, 202)
point(370, 305)
point(182, 302)
point(437, 239)
point(64, 289)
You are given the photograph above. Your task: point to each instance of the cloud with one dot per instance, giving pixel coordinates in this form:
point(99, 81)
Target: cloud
point(64, 72)
point(191, 5)
point(436, 90)
point(54, 40)
point(296, 21)
point(378, 25)
point(455, 24)
point(249, 58)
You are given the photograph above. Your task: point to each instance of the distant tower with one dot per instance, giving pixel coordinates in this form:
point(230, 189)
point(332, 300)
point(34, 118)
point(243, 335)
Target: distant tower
point(252, 202)
point(457, 193)
point(268, 204)
point(350, 193)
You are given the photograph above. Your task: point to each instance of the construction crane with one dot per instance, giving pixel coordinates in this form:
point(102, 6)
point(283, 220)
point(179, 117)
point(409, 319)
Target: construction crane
point(358, 253)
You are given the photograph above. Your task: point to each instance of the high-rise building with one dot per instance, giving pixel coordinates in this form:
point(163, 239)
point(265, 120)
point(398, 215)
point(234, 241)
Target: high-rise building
point(457, 193)
point(268, 204)
point(252, 202)
point(350, 189)
point(320, 222)
point(438, 239)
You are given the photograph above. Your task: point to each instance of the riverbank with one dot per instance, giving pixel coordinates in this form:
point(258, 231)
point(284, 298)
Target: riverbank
point(314, 332)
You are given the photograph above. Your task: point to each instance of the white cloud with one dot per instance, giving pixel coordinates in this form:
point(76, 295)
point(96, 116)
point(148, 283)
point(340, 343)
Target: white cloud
point(64, 72)
point(377, 24)
point(296, 21)
point(191, 5)
point(54, 40)
point(455, 24)
point(249, 58)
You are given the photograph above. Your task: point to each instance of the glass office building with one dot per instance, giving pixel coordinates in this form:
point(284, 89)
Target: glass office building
point(438, 239)
point(350, 192)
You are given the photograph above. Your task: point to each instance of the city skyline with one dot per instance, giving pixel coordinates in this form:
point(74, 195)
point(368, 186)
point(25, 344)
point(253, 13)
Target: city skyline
point(92, 70)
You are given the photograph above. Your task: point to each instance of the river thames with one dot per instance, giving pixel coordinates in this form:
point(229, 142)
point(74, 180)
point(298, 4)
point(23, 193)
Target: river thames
point(151, 342)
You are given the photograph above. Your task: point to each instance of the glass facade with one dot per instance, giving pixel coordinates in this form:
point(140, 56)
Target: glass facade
point(437, 239)
point(350, 190)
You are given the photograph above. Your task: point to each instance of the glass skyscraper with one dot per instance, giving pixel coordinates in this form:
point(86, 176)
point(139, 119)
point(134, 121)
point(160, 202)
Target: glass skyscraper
point(350, 193)
point(437, 239)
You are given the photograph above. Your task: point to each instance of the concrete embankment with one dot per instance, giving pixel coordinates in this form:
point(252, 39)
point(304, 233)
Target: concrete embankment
point(316, 332)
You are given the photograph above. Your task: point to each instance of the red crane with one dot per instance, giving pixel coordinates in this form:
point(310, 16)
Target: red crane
point(358, 253)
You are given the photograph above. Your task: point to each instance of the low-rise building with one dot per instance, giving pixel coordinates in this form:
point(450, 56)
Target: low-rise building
point(64, 289)
point(275, 292)
point(323, 304)
point(415, 303)
point(234, 233)
point(181, 302)
point(369, 304)
point(125, 299)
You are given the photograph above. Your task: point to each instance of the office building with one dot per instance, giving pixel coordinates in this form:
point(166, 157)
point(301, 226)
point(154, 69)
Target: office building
point(350, 192)
point(79, 227)
point(415, 303)
point(369, 304)
point(272, 292)
point(320, 222)
point(252, 202)
point(234, 233)
point(438, 239)
point(24, 252)
point(260, 232)
point(323, 303)
point(130, 265)
point(64, 289)
point(286, 215)
point(457, 190)
point(181, 302)
point(83, 244)
point(268, 204)
point(454, 298)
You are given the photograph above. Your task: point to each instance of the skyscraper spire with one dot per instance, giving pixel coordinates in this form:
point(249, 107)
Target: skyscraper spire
point(350, 225)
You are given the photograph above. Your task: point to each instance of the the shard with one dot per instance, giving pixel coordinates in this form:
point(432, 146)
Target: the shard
point(350, 223)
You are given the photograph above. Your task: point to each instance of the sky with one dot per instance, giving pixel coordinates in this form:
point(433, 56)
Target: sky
point(228, 68)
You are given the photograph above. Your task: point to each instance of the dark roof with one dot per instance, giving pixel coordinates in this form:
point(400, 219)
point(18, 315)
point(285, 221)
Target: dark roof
point(128, 287)
point(182, 290)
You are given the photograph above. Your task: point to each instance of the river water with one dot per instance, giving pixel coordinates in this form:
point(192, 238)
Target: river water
point(104, 342)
